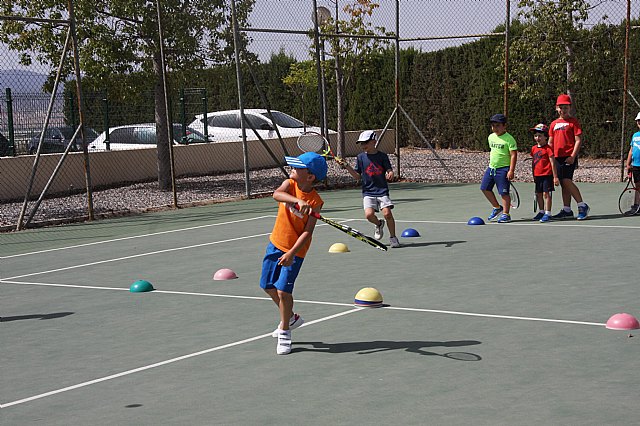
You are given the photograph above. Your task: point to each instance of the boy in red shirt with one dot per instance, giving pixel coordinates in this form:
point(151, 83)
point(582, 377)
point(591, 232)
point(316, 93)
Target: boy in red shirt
point(565, 137)
point(545, 175)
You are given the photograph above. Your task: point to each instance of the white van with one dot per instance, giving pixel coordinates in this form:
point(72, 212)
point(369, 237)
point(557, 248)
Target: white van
point(225, 125)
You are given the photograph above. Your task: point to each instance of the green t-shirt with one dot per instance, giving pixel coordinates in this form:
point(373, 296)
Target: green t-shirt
point(500, 147)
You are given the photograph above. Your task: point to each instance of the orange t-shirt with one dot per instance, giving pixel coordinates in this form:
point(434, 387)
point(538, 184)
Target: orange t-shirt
point(290, 223)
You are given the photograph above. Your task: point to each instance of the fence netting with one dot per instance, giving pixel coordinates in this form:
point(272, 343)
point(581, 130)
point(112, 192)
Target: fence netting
point(426, 74)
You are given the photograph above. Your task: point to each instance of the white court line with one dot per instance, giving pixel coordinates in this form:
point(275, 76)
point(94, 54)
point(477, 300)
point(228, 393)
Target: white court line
point(161, 363)
point(66, 268)
point(472, 314)
point(516, 223)
point(134, 237)
point(180, 293)
point(396, 308)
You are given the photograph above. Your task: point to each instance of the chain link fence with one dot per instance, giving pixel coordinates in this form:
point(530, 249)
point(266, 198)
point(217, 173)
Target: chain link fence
point(427, 73)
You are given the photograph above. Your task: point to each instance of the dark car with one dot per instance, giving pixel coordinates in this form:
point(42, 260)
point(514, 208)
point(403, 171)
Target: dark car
point(57, 138)
point(4, 146)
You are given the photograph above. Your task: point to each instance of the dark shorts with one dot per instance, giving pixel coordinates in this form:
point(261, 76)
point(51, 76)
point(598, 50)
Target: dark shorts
point(543, 183)
point(497, 177)
point(565, 171)
point(636, 174)
point(277, 276)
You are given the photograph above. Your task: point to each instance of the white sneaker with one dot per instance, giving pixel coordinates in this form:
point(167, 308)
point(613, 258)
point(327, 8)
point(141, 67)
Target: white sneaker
point(394, 242)
point(379, 232)
point(294, 322)
point(284, 342)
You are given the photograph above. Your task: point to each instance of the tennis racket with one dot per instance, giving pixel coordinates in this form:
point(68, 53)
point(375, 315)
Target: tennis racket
point(315, 142)
point(515, 197)
point(629, 201)
point(349, 231)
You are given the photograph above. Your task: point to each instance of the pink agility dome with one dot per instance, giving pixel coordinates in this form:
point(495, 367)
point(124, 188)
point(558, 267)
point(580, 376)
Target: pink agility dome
point(623, 321)
point(224, 274)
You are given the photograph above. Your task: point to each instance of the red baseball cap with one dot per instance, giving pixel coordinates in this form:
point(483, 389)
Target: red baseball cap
point(563, 100)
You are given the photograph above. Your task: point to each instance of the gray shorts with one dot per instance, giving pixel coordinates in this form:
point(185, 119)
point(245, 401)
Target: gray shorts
point(377, 203)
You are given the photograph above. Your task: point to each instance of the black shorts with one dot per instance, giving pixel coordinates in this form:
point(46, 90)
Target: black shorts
point(543, 183)
point(565, 171)
point(636, 175)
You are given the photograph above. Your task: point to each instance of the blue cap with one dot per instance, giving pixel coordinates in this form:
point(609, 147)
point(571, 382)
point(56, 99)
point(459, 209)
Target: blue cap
point(498, 118)
point(316, 164)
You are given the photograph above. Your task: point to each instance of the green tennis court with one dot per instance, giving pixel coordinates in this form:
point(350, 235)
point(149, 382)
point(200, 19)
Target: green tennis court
point(493, 324)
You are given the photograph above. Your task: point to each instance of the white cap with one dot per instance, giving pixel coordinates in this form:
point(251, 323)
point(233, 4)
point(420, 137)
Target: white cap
point(638, 117)
point(367, 135)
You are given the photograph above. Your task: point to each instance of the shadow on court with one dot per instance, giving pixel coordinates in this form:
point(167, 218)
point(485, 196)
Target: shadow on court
point(413, 346)
point(431, 243)
point(37, 316)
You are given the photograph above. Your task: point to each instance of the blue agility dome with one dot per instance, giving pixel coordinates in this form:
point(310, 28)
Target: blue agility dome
point(410, 232)
point(475, 221)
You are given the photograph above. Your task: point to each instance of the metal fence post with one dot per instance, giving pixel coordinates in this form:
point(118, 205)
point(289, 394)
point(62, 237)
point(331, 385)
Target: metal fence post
point(183, 117)
point(12, 138)
point(204, 111)
point(105, 103)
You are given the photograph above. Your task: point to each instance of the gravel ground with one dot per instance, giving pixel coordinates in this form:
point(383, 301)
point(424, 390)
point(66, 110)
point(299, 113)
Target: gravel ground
point(417, 165)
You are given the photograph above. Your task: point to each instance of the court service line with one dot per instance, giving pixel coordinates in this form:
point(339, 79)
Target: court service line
point(516, 223)
point(161, 363)
point(136, 236)
point(180, 293)
point(317, 302)
point(66, 268)
point(472, 314)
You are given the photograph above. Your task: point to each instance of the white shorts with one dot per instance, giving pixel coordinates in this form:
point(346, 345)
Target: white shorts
point(377, 203)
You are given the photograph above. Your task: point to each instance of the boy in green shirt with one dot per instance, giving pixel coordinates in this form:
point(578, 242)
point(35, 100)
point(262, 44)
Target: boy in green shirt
point(501, 170)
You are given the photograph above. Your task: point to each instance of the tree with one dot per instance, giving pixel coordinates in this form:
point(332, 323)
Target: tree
point(121, 37)
point(301, 78)
point(350, 53)
point(543, 56)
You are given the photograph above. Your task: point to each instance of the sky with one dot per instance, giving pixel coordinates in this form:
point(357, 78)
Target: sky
point(418, 19)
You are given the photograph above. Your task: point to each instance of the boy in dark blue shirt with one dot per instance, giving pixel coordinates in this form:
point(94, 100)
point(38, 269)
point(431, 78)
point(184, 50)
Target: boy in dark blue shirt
point(374, 169)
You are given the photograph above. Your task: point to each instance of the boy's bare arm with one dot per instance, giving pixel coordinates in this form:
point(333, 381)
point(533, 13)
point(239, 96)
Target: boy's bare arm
point(512, 166)
point(556, 181)
point(576, 150)
point(282, 195)
point(351, 171)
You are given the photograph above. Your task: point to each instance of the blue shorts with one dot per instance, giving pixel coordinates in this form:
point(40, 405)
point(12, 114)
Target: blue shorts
point(277, 276)
point(496, 177)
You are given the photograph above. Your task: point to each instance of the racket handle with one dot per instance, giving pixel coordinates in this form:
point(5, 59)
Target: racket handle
point(311, 212)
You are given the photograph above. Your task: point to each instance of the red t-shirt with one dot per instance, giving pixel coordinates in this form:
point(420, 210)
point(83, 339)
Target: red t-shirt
point(564, 132)
point(542, 156)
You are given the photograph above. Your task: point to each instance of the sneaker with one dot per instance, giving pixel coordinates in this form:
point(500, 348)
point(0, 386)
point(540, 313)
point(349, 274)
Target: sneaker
point(562, 214)
point(583, 212)
point(394, 242)
point(545, 218)
point(538, 216)
point(632, 211)
point(294, 322)
point(379, 232)
point(504, 218)
point(284, 342)
point(494, 213)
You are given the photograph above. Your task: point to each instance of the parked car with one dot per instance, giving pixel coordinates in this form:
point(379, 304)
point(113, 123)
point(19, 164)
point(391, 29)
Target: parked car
point(4, 145)
point(225, 125)
point(137, 136)
point(57, 138)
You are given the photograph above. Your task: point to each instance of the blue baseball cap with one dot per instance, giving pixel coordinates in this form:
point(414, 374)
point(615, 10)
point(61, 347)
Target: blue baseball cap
point(498, 118)
point(315, 163)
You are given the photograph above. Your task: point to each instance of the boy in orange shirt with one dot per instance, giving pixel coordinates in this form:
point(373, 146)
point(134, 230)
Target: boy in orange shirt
point(291, 238)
